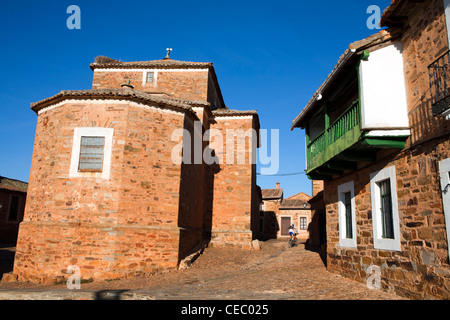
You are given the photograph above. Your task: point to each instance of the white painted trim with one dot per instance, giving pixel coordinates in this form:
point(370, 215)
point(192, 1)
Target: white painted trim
point(444, 172)
point(231, 117)
point(383, 133)
point(343, 240)
point(107, 151)
point(110, 102)
point(378, 241)
point(146, 69)
point(447, 17)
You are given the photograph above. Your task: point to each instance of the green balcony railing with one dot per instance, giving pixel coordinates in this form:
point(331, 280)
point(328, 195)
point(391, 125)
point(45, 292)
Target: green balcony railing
point(347, 122)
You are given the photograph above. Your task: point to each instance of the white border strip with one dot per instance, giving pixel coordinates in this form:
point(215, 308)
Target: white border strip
point(110, 101)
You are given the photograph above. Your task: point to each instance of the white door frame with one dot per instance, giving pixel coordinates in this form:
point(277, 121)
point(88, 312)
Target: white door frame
point(444, 172)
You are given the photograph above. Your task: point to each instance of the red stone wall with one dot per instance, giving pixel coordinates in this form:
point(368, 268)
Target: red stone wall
point(231, 199)
point(421, 269)
point(109, 228)
point(188, 85)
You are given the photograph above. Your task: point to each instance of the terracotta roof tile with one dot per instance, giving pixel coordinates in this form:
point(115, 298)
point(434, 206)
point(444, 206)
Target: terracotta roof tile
point(289, 204)
point(13, 185)
point(124, 93)
point(105, 62)
point(271, 194)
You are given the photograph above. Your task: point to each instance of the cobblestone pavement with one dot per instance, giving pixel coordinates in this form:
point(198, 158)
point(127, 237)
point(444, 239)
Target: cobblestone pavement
point(273, 273)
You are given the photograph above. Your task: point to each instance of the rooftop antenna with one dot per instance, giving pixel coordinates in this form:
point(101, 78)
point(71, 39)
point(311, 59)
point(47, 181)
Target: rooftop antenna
point(168, 53)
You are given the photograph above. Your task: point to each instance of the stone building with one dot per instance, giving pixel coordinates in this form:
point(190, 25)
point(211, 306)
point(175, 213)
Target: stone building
point(277, 214)
point(130, 177)
point(13, 194)
point(378, 136)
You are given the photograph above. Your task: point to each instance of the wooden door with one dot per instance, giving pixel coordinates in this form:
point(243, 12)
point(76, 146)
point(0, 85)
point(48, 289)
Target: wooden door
point(285, 223)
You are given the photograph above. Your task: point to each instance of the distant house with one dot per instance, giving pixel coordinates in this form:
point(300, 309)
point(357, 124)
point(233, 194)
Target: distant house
point(270, 204)
point(277, 214)
point(297, 212)
point(13, 194)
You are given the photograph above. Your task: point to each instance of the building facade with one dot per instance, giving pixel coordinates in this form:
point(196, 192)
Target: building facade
point(378, 135)
point(132, 176)
point(13, 194)
point(277, 214)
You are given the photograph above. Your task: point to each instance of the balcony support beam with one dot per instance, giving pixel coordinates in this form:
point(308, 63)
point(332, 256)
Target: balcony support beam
point(383, 143)
point(342, 165)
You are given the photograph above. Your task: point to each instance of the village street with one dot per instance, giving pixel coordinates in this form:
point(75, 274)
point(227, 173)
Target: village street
point(273, 273)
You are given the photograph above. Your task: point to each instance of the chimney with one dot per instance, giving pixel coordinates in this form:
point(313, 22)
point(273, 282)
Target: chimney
point(278, 185)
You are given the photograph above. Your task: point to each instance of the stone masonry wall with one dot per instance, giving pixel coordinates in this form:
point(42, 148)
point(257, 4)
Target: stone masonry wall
point(188, 85)
point(421, 269)
point(113, 228)
point(232, 186)
point(424, 40)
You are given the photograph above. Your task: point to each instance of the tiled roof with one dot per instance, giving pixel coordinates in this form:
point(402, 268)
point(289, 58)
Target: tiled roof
point(13, 185)
point(124, 93)
point(290, 204)
point(231, 112)
point(390, 11)
point(105, 62)
point(271, 194)
point(354, 48)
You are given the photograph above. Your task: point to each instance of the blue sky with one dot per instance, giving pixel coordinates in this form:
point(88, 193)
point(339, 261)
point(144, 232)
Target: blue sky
point(268, 55)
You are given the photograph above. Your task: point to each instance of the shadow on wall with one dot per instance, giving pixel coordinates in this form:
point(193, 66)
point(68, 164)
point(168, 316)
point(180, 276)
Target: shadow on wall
point(271, 226)
point(195, 197)
point(7, 253)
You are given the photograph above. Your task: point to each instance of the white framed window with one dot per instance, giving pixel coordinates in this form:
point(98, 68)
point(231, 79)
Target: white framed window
point(303, 223)
point(346, 211)
point(150, 75)
point(385, 219)
point(444, 172)
point(91, 152)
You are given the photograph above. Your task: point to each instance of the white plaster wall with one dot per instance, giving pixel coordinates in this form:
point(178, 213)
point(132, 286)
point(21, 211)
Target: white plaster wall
point(447, 17)
point(383, 90)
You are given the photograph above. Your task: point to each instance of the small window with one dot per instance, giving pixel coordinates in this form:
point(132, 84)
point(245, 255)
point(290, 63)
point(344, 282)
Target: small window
point(303, 223)
point(150, 76)
point(13, 209)
point(386, 209)
point(348, 214)
point(385, 217)
point(91, 154)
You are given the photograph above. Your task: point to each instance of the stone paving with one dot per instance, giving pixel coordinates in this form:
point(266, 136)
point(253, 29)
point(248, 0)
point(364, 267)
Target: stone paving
point(273, 273)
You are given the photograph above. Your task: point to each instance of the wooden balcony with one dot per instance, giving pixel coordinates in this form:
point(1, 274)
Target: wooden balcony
point(343, 144)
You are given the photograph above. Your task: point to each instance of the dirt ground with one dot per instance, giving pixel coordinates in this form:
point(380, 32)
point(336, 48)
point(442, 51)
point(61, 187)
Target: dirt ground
point(274, 272)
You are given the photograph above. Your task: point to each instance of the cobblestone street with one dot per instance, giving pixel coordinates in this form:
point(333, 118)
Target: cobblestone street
point(273, 273)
